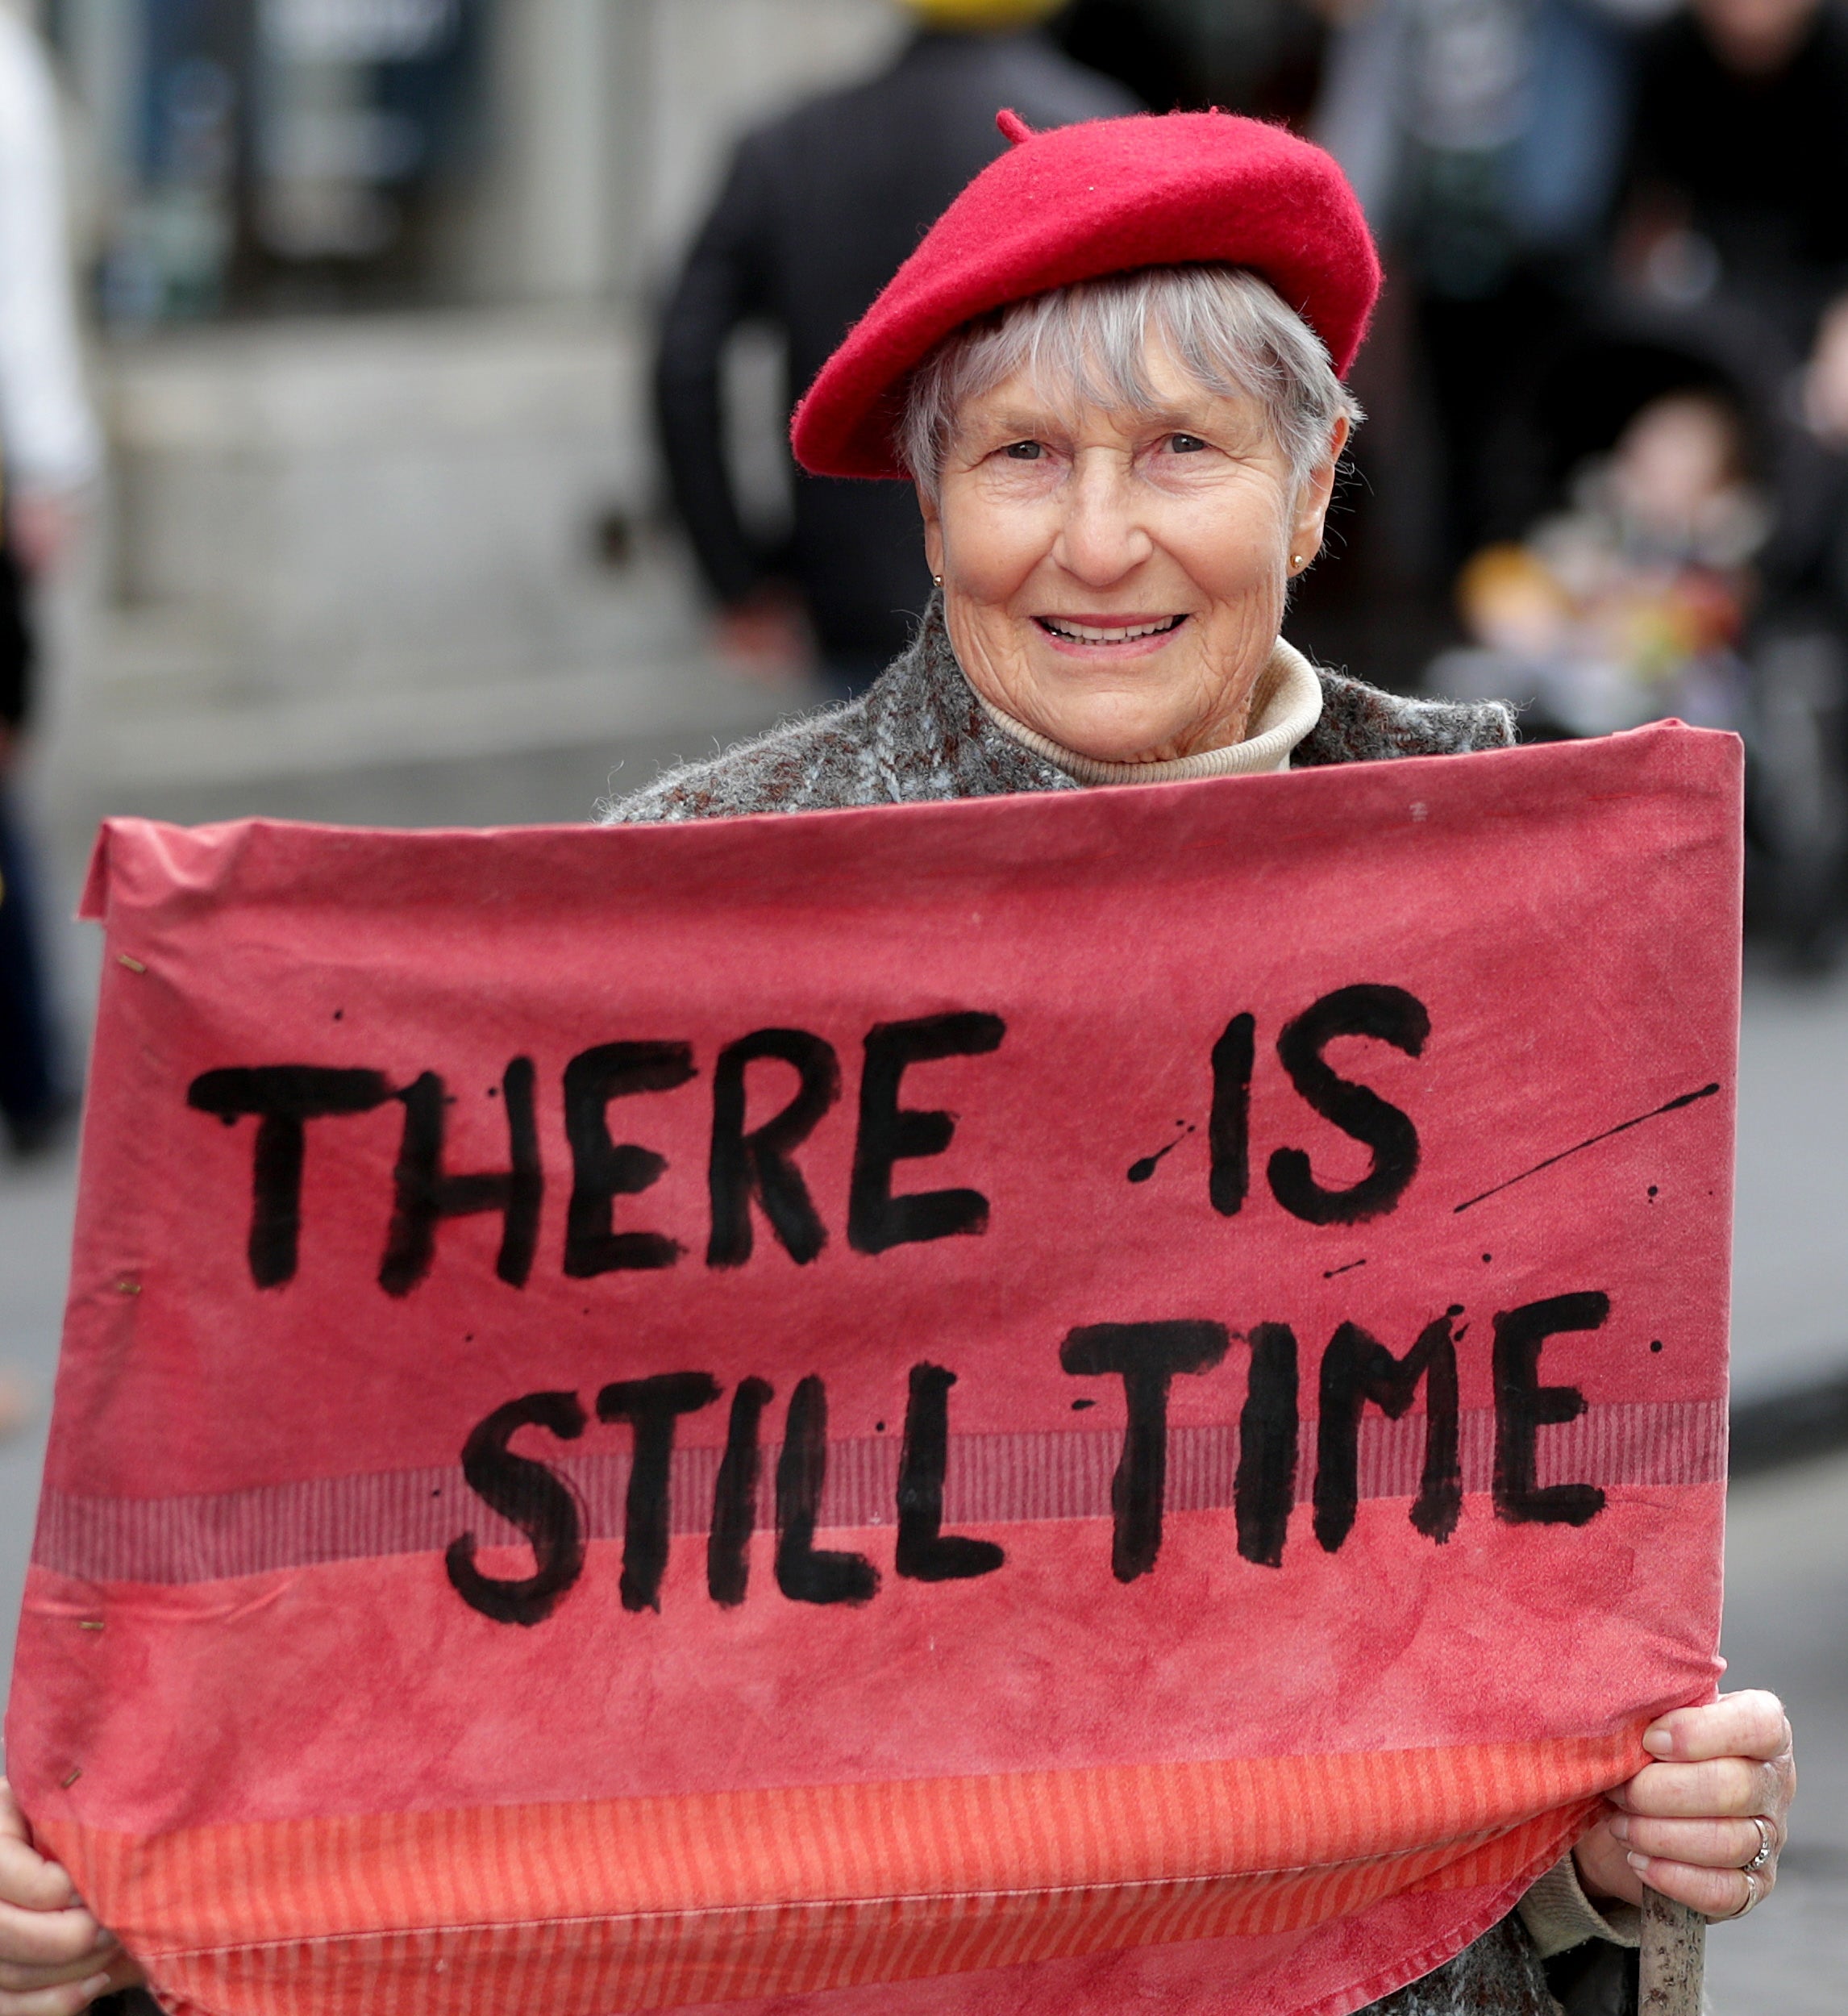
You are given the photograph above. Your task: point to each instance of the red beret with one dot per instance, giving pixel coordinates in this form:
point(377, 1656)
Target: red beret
point(1080, 202)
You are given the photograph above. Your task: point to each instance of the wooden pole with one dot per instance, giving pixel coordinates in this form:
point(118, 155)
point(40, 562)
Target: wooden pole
point(1674, 1957)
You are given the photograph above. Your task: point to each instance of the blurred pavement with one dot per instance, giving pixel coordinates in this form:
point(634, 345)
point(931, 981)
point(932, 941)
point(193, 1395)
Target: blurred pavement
point(1790, 1252)
point(1787, 1617)
point(1786, 1628)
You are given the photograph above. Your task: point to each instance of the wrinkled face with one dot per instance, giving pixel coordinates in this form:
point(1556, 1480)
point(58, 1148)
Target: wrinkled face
point(1115, 580)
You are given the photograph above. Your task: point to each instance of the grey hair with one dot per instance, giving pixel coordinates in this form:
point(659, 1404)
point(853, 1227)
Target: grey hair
point(1227, 326)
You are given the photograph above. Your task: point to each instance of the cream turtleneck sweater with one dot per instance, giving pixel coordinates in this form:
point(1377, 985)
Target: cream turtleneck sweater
point(1286, 703)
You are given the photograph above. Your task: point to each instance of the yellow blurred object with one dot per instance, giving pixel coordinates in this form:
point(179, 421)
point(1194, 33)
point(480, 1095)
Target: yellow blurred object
point(1511, 600)
point(983, 14)
point(1498, 570)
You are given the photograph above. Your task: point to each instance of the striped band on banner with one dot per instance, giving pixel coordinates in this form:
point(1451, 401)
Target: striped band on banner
point(599, 1967)
point(604, 1966)
point(992, 1480)
point(699, 1897)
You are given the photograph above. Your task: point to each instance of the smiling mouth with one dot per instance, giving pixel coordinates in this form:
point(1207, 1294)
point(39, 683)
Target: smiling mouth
point(1078, 633)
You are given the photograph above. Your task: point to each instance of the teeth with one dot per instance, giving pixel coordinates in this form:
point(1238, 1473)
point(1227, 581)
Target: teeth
point(1089, 634)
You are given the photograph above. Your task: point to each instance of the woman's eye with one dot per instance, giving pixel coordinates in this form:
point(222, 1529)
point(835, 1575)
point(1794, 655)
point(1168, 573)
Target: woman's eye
point(1186, 443)
point(1024, 451)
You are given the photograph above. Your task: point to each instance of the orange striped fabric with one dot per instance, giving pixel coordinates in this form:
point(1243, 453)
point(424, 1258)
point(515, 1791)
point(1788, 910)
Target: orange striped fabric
point(635, 1904)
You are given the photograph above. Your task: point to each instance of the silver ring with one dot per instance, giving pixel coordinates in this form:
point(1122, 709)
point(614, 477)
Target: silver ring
point(1767, 1846)
point(1754, 1893)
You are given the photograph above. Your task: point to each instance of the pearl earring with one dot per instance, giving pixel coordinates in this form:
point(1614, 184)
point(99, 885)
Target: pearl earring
point(1296, 559)
point(937, 581)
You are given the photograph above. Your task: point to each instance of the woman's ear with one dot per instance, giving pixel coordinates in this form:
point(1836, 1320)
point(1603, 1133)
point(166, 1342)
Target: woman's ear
point(933, 516)
point(1312, 498)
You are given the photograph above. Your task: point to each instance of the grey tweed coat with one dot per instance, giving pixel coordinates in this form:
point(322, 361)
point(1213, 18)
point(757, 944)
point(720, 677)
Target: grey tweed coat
point(919, 732)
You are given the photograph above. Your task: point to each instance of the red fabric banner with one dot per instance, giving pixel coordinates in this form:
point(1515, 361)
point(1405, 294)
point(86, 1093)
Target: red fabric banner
point(1018, 1406)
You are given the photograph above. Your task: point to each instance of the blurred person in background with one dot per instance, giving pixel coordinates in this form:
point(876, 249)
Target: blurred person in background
point(1690, 356)
point(1629, 606)
point(1738, 159)
point(1141, 45)
point(1689, 560)
point(48, 451)
point(1731, 231)
point(1799, 732)
point(819, 209)
point(1260, 58)
point(1483, 138)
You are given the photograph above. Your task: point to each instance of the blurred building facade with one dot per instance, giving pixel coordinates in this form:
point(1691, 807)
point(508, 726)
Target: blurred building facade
point(372, 282)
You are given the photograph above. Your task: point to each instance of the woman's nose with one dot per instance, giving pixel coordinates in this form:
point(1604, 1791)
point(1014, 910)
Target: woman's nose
point(1102, 536)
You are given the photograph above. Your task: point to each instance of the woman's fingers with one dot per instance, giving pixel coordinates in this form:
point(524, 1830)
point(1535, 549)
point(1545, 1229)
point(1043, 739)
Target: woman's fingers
point(1712, 1844)
point(60, 1943)
point(55, 1958)
point(27, 1879)
point(1716, 1894)
point(1733, 1756)
point(1722, 1788)
point(65, 2000)
point(1749, 1724)
point(62, 1991)
point(1688, 1824)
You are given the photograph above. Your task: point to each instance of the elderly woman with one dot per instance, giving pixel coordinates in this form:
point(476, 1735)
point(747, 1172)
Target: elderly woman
point(1123, 437)
point(1111, 372)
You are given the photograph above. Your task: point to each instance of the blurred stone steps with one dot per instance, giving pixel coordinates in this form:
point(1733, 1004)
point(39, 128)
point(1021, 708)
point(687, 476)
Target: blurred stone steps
point(394, 544)
point(169, 704)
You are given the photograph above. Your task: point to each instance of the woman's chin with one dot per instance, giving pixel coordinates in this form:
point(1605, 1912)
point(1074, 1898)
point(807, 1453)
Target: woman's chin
point(1113, 737)
point(1114, 711)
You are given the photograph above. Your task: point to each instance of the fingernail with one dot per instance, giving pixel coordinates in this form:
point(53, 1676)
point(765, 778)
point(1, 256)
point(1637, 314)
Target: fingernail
point(1639, 1862)
point(105, 1941)
point(1619, 1826)
point(96, 1984)
point(1658, 1743)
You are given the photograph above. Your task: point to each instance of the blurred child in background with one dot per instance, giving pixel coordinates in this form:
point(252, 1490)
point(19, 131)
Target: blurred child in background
point(1630, 606)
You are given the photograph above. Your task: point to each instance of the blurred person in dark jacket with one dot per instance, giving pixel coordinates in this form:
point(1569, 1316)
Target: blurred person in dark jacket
point(819, 209)
point(1738, 159)
point(48, 453)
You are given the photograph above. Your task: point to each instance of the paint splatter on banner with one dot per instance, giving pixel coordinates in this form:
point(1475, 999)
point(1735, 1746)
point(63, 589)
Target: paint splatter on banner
point(1022, 1405)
